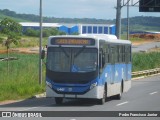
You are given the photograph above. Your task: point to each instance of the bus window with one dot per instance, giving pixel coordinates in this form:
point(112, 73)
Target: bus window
point(127, 54)
point(112, 55)
point(85, 60)
point(123, 53)
point(116, 54)
point(72, 59)
point(120, 54)
point(107, 54)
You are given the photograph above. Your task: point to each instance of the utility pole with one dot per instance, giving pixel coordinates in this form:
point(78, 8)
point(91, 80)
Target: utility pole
point(128, 20)
point(118, 19)
point(40, 44)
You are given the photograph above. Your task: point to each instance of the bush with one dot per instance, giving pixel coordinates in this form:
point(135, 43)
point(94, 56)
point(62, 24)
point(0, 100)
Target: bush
point(31, 32)
point(46, 32)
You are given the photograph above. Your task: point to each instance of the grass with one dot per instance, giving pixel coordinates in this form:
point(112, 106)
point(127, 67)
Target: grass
point(25, 42)
point(22, 79)
point(145, 61)
point(31, 41)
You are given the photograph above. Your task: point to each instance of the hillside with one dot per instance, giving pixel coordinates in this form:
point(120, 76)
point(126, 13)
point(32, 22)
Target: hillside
point(35, 18)
point(139, 23)
point(2, 16)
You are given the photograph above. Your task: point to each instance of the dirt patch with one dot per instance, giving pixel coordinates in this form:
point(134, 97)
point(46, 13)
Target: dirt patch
point(33, 50)
point(3, 51)
point(147, 36)
point(154, 50)
point(142, 42)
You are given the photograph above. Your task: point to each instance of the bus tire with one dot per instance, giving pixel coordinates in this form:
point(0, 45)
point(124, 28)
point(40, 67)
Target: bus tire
point(103, 100)
point(58, 100)
point(120, 94)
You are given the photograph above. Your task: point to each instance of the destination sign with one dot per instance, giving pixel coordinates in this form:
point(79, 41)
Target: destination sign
point(72, 41)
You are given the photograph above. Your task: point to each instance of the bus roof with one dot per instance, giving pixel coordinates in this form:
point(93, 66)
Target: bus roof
point(105, 37)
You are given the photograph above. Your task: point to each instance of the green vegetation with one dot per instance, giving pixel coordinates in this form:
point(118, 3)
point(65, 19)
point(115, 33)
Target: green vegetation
point(46, 32)
point(145, 61)
point(12, 30)
point(22, 79)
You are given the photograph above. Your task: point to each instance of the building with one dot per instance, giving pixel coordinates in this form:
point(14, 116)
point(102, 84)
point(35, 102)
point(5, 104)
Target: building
point(97, 29)
point(74, 28)
point(36, 26)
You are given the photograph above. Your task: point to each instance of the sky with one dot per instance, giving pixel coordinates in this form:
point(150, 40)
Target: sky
point(99, 9)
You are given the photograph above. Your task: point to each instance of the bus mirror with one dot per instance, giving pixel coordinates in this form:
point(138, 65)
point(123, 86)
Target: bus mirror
point(43, 54)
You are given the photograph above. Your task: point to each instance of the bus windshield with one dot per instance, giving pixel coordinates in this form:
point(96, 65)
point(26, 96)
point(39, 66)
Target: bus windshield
point(63, 59)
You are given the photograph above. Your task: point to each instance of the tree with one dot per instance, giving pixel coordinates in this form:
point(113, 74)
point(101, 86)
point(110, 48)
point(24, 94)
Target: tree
point(13, 31)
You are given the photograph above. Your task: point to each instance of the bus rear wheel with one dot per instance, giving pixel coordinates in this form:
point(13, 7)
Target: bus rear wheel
point(58, 100)
point(118, 97)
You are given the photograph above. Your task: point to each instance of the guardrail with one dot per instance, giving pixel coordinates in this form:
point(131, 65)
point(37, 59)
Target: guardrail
point(146, 72)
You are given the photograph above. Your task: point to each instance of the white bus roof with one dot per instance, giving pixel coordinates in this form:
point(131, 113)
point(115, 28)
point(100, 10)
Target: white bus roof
point(106, 37)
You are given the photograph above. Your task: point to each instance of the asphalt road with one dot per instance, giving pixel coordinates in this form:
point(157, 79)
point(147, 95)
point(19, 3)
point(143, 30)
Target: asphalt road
point(143, 96)
point(145, 47)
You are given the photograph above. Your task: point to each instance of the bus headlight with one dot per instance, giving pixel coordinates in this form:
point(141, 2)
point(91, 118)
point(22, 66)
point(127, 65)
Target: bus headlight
point(93, 85)
point(49, 84)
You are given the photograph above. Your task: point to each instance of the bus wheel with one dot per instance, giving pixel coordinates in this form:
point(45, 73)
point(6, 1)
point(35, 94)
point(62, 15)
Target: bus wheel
point(120, 94)
point(58, 100)
point(103, 100)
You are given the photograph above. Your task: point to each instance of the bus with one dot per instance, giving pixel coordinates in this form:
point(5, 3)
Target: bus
point(87, 66)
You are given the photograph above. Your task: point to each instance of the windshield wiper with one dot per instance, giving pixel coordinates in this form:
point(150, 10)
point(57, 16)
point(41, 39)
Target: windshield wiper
point(81, 50)
point(64, 51)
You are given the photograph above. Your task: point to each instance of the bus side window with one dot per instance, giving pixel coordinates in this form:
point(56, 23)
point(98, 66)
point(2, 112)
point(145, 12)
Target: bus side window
point(127, 54)
point(120, 54)
point(106, 54)
point(112, 55)
point(116, 54)
point(123, 53)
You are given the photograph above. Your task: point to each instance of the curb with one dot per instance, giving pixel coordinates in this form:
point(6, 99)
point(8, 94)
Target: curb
point(39, 95)
point(141, 77)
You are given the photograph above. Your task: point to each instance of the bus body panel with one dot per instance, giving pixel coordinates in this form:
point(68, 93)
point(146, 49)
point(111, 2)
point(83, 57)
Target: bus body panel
point(114, 78)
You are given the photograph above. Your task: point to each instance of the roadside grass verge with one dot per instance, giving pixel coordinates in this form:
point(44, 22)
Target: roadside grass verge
point(22, 79)
point(145, 61)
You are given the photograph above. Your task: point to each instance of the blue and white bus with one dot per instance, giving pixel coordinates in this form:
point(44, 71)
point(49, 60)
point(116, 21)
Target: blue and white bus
point(87, 66)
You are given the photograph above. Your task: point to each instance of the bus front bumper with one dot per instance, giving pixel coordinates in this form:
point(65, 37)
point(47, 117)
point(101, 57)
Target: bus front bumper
point(95, 93)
